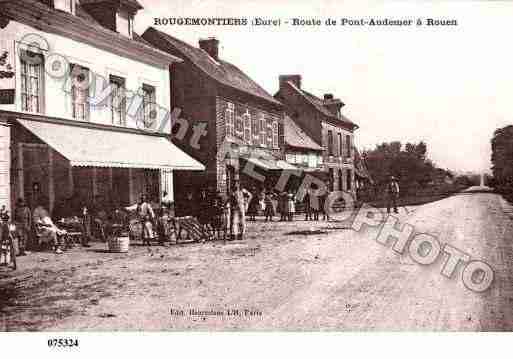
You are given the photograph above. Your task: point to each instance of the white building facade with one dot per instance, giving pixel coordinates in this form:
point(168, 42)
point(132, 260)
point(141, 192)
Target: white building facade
point(84, 104)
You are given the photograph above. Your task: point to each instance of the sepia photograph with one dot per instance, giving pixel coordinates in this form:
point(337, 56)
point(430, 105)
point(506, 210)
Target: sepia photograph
point(255, 166)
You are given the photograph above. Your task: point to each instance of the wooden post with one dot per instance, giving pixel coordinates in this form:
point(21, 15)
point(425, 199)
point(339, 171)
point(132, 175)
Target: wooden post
point(21, 180)
point(70, 180)
point(51, 190)
point(130, 186)
point(95, 187)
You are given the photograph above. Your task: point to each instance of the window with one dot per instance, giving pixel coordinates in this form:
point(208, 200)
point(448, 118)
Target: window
point(246, 118)
point(312, 160)
point(275, 134)
point(65, 5)
point(32, 84)
point(125, 23)
point(340, 177)
point(348, 145)
point(255, 130)
point(230, 119)
point(269, 134)
point(80, 92)
point(340, 145)
point(263, 127)
point(330, 143)
point(149, 105)
point(331, 179)
point(349, 179)
point(118, 100)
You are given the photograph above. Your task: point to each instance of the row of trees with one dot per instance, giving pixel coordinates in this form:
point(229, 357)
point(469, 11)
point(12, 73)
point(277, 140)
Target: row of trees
point(410, 164)
point(502, 160)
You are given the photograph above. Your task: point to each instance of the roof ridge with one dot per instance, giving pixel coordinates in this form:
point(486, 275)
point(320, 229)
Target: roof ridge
point(222, 71)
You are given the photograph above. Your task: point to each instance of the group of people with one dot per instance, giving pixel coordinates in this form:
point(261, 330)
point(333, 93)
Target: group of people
point(215, 212)
point(36, 226)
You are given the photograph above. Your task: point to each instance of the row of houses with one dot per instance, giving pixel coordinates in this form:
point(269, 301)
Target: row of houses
point(53, 134)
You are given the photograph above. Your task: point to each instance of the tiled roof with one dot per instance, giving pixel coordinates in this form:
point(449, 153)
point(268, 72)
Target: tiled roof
point(37, 11)
point(221, 71)
point(318, 103)
point(132, 3)
point(296, 137)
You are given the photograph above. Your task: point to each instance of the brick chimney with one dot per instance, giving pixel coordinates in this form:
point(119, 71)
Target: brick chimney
point(333, 104)
point(295, 79)
point(210, 46)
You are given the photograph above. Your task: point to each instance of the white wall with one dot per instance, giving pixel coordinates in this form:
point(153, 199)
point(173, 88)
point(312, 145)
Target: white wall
point(5, 162)
point(103, 63)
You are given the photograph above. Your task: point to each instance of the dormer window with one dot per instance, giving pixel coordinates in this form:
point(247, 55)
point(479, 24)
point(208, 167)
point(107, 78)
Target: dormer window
point(65, 5)
point(125, 23)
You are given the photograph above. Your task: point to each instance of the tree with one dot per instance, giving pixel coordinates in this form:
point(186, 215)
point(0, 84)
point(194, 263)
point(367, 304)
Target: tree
point(409, 163)
point(502, 159)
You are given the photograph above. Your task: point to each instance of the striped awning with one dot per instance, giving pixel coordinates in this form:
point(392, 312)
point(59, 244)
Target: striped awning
point(98, 147)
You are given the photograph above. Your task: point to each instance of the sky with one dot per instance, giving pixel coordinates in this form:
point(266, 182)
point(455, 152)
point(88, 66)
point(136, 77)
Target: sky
point(449, 86)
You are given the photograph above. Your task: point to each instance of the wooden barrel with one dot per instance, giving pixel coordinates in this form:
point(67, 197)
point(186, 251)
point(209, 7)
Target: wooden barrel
point(119, 244)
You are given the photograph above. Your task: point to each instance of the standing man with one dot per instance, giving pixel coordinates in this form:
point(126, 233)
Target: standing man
point(37, 198)
point(392, 194)
point(23, 219)
point(238, 211)
point(308, 205)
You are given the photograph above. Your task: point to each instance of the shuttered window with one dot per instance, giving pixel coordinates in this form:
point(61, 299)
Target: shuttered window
point(255, 130)
point(263, 128)
point(330, 143)
point(32, 86)
point(275, 134)
point(230, 119)
point(149, 106)
point(118, 100)
point(269, 133)
point(246, 118)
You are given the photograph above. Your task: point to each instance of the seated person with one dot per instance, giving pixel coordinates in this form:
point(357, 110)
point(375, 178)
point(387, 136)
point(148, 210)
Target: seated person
point(46, 230)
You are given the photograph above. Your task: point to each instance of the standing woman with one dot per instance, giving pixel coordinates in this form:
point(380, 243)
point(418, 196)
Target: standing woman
point(291, 206)
point(23, 219)
point(253, 205)
point(268, 206)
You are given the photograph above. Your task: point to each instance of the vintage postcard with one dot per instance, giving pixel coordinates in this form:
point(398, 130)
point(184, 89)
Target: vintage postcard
point(186, 166)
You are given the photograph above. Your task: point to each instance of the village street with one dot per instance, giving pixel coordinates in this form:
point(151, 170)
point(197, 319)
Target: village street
point(331, 279)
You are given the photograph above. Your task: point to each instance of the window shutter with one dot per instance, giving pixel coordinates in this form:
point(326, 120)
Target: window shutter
point(262, 130)
point(247, 127)
point(275, 134)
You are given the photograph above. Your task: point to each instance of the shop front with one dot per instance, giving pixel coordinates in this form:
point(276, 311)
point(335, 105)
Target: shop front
point(79, 163)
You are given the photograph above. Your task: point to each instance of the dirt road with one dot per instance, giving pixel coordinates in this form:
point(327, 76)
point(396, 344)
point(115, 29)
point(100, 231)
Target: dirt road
point(279, 278)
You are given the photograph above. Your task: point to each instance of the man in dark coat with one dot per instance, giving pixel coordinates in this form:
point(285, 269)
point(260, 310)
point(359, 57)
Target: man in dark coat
point(392, 192)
